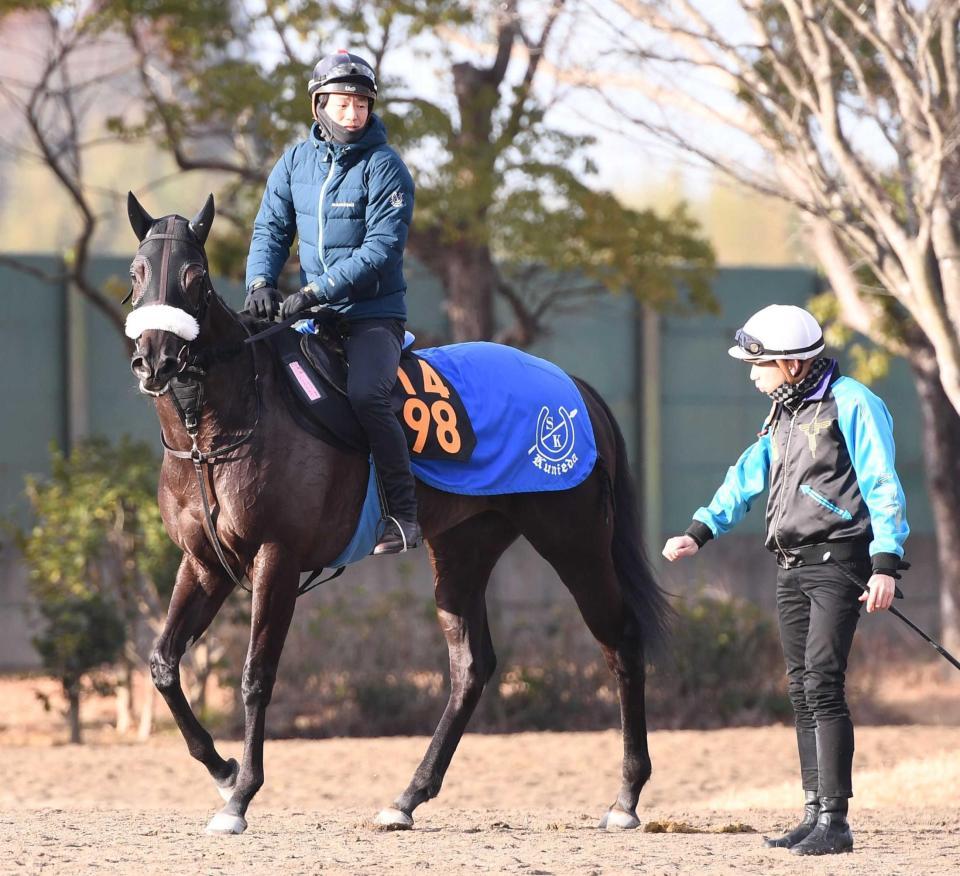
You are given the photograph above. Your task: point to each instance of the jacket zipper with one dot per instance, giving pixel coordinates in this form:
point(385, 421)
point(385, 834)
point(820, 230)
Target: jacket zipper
point(323, 191)
point(783, 483)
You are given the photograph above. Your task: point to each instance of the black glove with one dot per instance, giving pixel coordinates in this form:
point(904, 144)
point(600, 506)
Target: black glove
point(293, 304)
point(263, 302)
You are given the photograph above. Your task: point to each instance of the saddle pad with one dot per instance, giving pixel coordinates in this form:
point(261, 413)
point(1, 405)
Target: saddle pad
point(368, 527)
point(435, 422)
point(533, 431)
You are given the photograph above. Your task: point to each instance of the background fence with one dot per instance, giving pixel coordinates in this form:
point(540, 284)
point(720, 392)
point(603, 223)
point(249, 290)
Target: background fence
point(685, 407)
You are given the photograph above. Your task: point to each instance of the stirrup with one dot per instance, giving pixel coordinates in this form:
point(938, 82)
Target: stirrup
point(403, 535)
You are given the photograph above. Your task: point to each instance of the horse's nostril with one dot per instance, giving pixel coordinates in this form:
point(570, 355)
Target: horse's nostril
point(138, 367)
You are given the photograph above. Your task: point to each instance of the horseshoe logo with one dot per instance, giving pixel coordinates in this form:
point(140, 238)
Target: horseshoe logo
point(555, 434)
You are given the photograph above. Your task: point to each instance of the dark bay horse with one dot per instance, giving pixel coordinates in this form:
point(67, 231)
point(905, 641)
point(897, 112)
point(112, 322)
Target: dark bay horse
point(283, 502)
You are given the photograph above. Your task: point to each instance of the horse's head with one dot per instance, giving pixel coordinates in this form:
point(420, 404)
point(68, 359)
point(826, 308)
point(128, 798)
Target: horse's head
point(171, 290)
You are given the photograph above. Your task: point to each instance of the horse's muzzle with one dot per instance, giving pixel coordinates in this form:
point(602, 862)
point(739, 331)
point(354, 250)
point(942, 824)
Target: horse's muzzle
point(154, 373)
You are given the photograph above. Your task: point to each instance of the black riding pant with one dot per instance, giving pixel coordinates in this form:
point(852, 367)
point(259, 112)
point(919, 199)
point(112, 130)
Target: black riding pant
point(373, 353)
point(818, 610)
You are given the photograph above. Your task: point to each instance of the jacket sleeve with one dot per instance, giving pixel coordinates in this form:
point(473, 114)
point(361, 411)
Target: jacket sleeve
point(388, 216)
point(745, 480)
point(275, 226)
point(867, 428)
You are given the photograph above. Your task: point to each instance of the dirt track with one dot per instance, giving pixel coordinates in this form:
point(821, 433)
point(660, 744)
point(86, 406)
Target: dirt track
point(520, 804)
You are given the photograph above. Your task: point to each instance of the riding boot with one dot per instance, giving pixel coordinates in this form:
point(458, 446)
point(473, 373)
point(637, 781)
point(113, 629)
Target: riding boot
point(398, 536)
point(831, 835)
point(811, 810)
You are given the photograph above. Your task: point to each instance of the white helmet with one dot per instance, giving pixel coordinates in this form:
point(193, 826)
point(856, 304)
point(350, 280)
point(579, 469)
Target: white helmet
point(780, 331)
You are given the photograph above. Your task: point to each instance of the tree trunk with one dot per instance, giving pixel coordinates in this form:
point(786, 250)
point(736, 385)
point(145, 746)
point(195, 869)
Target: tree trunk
point(147, 709)
point(124, 698)
point(470, 280)
point(72, 690)
point(941, 449)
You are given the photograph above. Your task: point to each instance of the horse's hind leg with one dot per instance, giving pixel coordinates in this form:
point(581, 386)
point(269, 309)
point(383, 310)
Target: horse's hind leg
point(590, 575)
point(197, 597)
point(462, 559)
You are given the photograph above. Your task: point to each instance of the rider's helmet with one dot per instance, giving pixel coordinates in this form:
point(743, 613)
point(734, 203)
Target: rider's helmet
point(780, 331)
point(342, 73)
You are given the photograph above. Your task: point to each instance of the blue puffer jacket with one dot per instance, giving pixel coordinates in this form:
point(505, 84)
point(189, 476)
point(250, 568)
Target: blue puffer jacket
point(351, 207)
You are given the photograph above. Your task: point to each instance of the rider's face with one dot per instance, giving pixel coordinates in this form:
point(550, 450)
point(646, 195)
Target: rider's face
point(349, 110)
point(766, 376)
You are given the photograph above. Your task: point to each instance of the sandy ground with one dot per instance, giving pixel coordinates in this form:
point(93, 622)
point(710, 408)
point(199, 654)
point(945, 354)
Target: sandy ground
point(525, 803)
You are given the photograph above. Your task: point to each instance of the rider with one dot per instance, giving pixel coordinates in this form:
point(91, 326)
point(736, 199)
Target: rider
point(351, 258)
point(826, 452)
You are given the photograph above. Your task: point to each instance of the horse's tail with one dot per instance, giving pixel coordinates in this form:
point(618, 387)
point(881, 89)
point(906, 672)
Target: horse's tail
point(646, 601)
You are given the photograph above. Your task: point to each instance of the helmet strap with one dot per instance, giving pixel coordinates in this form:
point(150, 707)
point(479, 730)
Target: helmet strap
point(334, 133)
point(796, 387)
point(792, 376)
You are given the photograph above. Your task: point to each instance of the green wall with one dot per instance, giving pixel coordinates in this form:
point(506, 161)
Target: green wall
point(33, 330)
point(68, 375)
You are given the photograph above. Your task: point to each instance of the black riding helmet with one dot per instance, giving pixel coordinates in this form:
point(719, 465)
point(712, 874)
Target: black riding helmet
point(342, 73)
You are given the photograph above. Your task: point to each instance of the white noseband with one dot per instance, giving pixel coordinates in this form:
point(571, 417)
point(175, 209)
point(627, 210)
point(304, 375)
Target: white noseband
point(164, 318)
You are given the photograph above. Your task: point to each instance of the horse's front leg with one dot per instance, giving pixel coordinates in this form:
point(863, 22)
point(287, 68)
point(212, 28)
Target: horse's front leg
point(198, 594)
point(275, 578)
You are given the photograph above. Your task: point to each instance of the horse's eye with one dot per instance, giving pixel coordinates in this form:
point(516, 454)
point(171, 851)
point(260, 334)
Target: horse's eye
point(139, 277)
point(190, 275)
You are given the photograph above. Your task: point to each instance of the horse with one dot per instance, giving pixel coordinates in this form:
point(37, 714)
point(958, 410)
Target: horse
point(245, 491)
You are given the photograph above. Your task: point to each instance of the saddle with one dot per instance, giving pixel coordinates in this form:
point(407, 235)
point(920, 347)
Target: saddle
point(434, 418)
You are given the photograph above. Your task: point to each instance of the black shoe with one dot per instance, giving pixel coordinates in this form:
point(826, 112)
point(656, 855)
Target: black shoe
point(399, 536)
point(831, 835)
point(811, 809)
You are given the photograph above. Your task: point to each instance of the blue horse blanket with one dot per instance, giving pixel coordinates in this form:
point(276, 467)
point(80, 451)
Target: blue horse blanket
point(533, 432)
point(533, 429)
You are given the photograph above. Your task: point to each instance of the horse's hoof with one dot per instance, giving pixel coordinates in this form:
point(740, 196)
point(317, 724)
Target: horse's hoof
point(225, 790)
point(392, 819)
point(617, 819)
point(222, 822)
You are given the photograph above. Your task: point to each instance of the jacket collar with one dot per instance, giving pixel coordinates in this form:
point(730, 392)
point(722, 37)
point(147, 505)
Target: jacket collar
point(820, 390)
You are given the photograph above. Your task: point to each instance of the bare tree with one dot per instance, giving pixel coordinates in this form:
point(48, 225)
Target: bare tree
point(66, 66)
point(496, 192)
point(857, 110)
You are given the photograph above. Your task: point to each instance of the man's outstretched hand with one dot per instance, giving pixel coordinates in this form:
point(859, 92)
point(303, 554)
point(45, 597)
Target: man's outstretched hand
point(680, 546)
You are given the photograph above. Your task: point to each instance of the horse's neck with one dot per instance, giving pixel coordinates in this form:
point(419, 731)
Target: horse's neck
point(230, 403)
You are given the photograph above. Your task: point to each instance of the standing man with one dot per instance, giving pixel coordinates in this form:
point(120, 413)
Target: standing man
point(349, 198)
point(826, 452)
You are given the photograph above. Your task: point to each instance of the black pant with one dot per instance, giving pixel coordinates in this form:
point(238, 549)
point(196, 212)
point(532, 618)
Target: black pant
point(373, 353)
point(819, 610)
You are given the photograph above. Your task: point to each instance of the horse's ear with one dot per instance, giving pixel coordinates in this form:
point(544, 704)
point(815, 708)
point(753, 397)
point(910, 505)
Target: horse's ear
point(140, 219)
point(200, 224)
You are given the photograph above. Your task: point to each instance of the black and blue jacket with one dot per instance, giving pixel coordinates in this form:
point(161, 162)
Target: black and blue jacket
point(351, 207)
point(829, 466)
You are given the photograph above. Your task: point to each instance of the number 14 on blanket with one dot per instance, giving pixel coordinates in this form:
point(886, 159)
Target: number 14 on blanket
point(433, 416)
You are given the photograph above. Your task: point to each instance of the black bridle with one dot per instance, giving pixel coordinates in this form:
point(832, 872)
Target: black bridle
point(187, 385)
